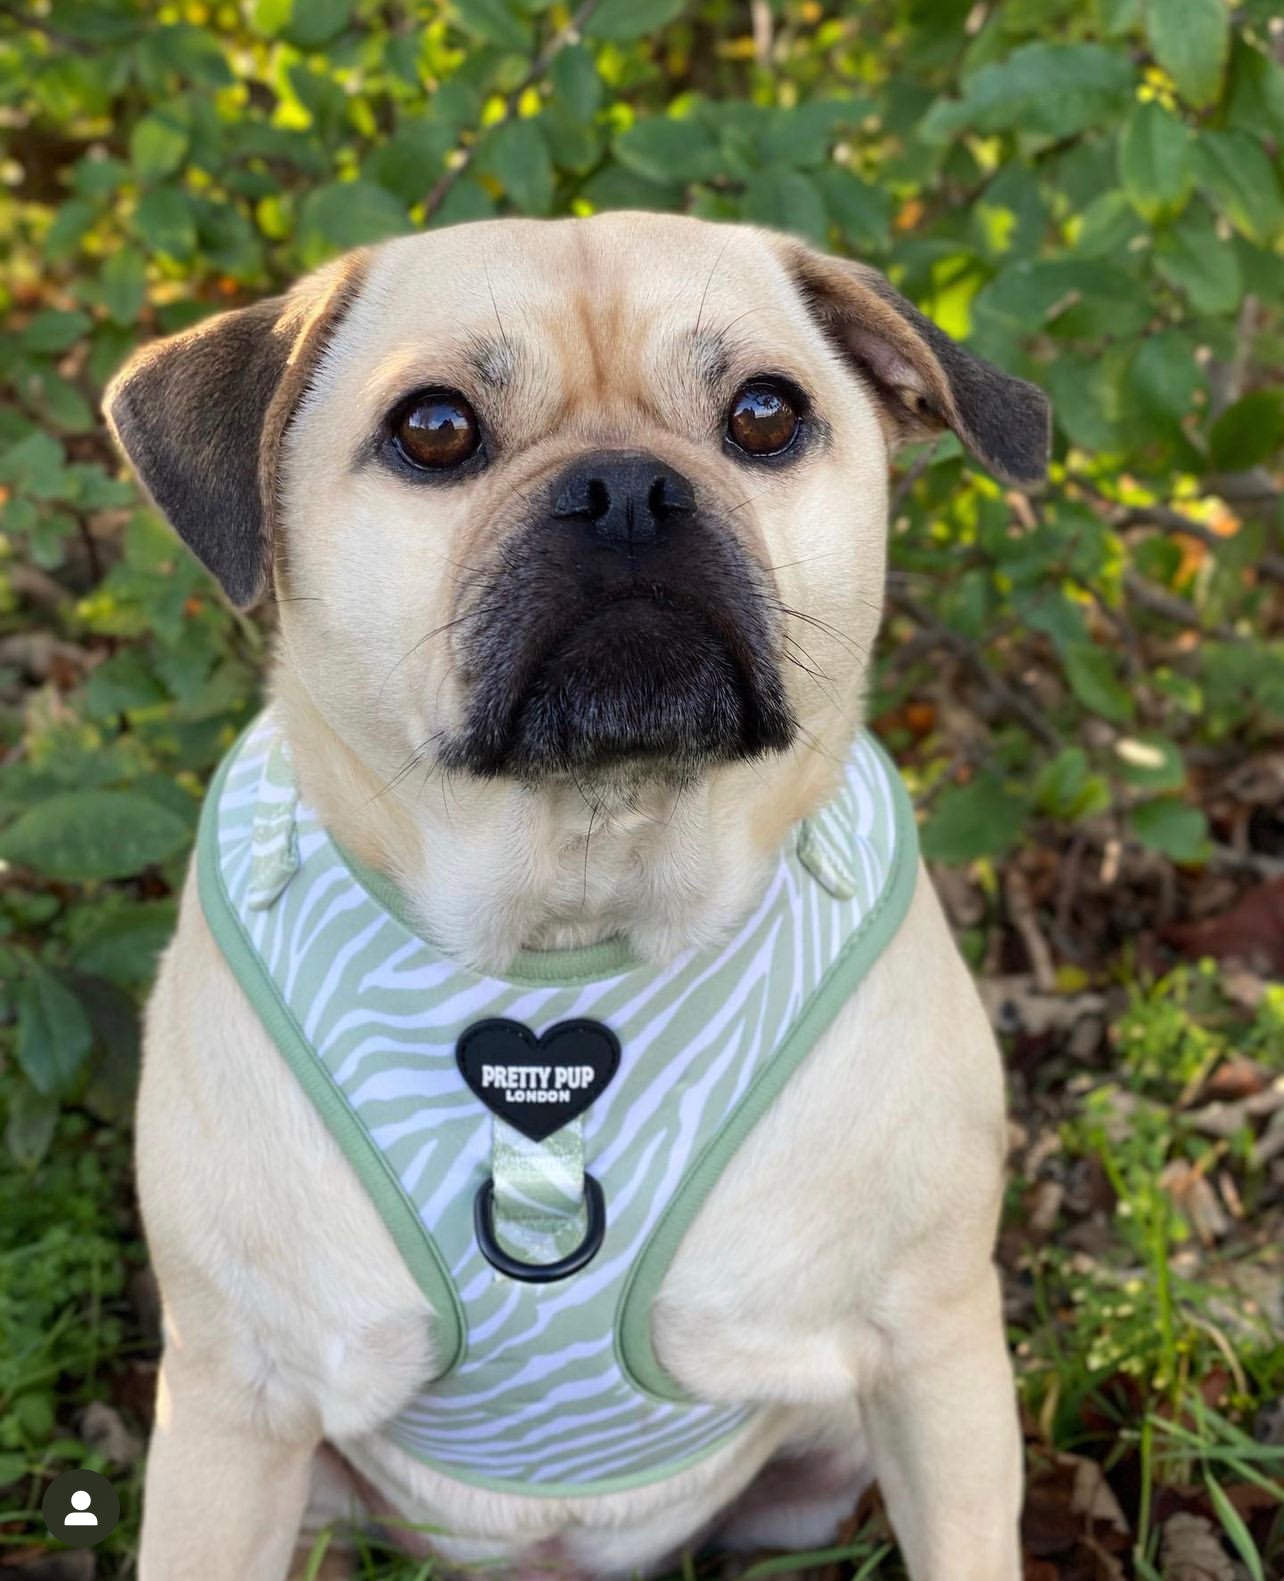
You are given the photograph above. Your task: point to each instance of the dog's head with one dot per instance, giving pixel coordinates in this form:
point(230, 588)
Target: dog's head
point(547, 499)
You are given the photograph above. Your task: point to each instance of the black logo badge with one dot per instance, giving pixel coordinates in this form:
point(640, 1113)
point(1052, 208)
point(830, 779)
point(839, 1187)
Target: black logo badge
point(538, 1085)
point(80, 1508)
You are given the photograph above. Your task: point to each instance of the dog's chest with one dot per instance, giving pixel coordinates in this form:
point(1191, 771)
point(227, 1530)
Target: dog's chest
point(539, 1145)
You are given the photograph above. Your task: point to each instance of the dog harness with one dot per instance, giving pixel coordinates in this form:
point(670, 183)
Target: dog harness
point(538, 1143)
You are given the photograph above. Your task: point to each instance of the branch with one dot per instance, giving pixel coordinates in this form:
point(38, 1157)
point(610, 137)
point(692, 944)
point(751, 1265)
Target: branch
point(1169, 520)
point(1173, 608)
point(465, 153)
point(1007, 697)
point(55, 35)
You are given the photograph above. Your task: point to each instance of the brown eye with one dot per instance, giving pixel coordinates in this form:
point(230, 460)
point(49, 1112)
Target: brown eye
point(436, 430)
point(764, 418)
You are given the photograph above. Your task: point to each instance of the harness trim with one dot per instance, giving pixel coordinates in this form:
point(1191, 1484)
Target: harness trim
point(633, 1344)
point(373, 1170)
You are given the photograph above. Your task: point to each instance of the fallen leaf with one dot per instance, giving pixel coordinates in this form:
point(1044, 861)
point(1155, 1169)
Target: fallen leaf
point(1191, 1551)
point(1251, 932)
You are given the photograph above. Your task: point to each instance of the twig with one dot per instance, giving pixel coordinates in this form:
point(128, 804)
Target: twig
point(55, 35)
point(465, 153)
point(905, 483)
point(1164, 516)
point(1025, 920)
point(1007, 697)
point(1173, 608)
point(1246, 861)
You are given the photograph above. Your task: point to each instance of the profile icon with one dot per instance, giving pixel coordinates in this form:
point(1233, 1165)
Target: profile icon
point(81, 1509)
point(81, 1514)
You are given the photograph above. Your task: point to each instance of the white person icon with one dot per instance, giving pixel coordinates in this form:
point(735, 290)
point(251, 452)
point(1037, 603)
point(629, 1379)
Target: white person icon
point(81, 1514)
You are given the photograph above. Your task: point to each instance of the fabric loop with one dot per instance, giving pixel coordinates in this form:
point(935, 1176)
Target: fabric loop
point(274, 845)
point(540, 1214)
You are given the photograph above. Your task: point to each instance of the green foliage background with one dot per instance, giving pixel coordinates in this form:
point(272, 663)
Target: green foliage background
point(1088, 191)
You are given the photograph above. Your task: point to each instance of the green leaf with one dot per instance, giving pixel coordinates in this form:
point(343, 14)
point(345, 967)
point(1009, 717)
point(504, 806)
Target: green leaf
point(156, 147)
point(862, 212)
point(981, 819)
point(271, 17)
point(1249, 432)
point(1237, 170)
point(624, 20)
point(54, 1034)
point(1173, 827)
point(167, 223)
point(125, 946)
point(662, 149)
point(1165, 375)
point(29, 1129)
point(349, 214)
point(1083, 296)
point(1052, 89)
point(124, 285)
point(94, 834)
point(315, 22)
point(1091, 672)
point(37, 465)
point(412, 159)
point(52, 331)
point(1067, 789)
point(787, 200)
point(575, 81)
point(1234, 1527)
point(1154, 161)
point(495, 22)
point(1191, 40)
point(1256, 96)
point(516, 155)
point(1199, 263)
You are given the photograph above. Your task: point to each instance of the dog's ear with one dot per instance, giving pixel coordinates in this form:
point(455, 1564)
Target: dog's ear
point(924, 380)
point(201, 416)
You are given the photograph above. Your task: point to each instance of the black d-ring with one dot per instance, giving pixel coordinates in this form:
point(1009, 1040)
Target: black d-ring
point(540, 1273)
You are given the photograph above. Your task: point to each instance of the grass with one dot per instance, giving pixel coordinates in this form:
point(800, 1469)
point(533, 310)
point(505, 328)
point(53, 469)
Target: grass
point(1147, 1347)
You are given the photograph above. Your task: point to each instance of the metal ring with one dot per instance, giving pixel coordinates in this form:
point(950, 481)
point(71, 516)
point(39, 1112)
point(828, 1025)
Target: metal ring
point(539, 1273)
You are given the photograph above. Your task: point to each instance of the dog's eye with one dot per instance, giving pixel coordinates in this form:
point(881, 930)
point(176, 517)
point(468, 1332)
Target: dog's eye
point(764, 418)
point(436, 429)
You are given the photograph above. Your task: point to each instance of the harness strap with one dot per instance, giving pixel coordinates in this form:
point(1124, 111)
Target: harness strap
point(540, 1214)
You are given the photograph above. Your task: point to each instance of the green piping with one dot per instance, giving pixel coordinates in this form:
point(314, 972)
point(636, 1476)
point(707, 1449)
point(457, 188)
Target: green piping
point(633, 1347)
point(373, 1169)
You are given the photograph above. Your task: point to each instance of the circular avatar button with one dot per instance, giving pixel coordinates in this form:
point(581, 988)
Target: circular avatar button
point(80, 1508)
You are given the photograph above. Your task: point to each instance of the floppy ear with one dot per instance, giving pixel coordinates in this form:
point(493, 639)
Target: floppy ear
point(201, 416)
point(925, 380)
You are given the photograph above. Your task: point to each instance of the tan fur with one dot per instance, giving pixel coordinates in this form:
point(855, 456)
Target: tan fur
point(840, 1271)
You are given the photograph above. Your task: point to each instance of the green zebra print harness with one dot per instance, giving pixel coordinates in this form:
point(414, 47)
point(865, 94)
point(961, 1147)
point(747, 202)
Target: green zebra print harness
point(546, 1388)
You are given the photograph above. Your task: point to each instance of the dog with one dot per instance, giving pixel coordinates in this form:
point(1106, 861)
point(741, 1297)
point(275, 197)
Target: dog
point(577, 532)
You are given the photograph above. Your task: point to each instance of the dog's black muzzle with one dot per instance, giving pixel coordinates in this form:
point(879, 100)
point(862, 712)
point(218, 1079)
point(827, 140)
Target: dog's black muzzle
point(623, 623)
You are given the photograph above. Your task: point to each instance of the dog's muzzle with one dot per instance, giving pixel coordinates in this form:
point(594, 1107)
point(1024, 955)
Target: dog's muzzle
point(624, 623)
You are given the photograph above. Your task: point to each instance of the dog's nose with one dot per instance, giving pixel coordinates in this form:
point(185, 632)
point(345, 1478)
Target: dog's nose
point(623, 496)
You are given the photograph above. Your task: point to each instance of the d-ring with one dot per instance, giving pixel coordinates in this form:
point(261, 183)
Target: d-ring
point(539, 1273)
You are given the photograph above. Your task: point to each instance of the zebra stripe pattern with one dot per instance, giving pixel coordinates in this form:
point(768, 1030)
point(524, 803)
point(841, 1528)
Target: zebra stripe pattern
point(540, 1400)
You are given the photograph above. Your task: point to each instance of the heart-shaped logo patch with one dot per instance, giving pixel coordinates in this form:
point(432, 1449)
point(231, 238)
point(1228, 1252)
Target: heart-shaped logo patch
point(538, 1085)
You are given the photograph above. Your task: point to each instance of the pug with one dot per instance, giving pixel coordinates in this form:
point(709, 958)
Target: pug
point(567, 1133)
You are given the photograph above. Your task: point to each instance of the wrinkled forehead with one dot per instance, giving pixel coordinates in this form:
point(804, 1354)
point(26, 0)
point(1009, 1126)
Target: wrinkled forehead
point(588, 309)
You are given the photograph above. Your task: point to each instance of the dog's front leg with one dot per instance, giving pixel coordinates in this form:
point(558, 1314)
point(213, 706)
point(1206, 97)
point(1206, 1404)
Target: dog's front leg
point(946, 1445)
point(223, 1498)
